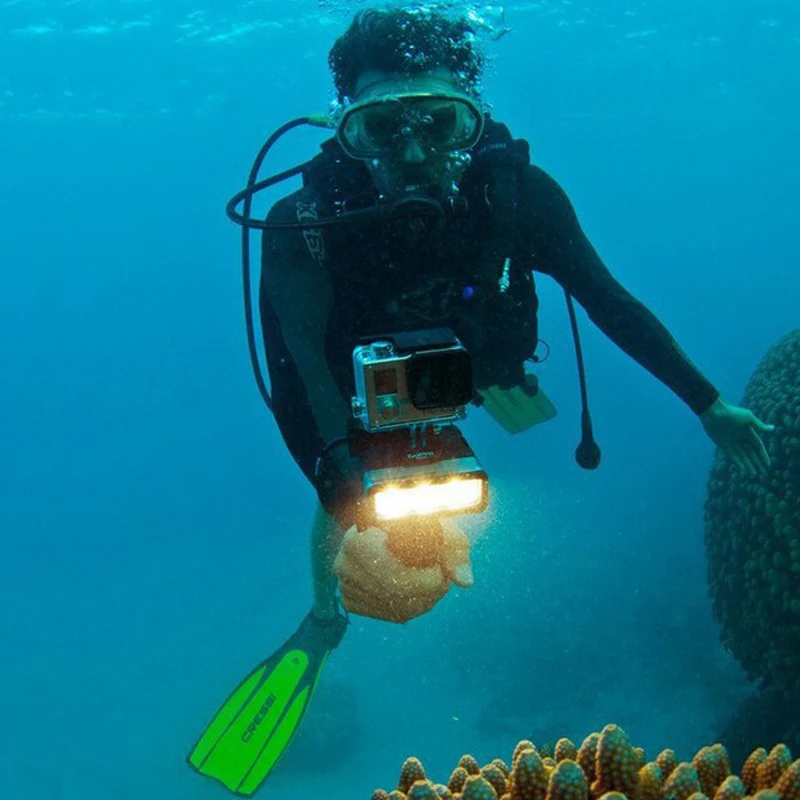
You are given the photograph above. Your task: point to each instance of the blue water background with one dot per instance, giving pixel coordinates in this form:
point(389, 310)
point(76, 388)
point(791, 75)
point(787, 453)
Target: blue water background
point(153, 528)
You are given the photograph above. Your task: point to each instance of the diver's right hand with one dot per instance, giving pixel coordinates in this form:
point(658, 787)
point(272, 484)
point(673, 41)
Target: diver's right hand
point(402, 571)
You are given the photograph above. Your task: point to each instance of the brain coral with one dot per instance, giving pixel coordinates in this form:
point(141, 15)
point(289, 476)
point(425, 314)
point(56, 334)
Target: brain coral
point(752, 534)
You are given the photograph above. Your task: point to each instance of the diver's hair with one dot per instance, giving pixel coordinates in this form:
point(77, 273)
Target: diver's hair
point(406, 41)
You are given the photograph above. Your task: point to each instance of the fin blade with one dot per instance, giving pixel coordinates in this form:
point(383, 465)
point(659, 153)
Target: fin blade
point(241, 730)
point(515, 410)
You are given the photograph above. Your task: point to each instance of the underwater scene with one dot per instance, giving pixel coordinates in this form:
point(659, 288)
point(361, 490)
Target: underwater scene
point(399, 401)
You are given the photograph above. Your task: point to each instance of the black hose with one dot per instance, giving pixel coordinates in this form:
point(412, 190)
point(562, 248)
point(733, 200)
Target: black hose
point(244, 221)
point(587, 453)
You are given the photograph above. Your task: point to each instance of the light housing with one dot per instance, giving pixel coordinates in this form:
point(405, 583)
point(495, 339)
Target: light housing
point(444, 478)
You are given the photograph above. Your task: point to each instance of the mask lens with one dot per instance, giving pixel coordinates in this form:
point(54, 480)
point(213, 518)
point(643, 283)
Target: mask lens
point(380, 127)
point(377, 129)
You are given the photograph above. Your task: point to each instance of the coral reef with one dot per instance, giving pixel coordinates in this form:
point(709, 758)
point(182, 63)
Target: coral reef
point(607, 767)
point(752, 538)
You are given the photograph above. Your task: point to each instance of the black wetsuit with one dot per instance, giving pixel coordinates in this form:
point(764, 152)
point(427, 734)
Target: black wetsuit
point(322, 289)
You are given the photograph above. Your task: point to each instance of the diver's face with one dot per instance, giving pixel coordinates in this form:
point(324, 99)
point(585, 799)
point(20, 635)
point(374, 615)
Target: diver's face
point(412, 164)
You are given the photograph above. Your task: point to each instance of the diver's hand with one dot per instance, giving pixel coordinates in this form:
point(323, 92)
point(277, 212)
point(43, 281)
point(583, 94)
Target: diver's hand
point(737, 432)
point(396, 573)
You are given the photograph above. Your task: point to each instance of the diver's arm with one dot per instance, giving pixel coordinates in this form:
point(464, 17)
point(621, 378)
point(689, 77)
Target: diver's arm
point(296, 300)
point(562, 250)
point(295, 304)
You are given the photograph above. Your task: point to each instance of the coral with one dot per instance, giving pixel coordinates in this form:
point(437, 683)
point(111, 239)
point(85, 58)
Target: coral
point(712, 767)
point(457, 779)
point(565, 749)
point(478, 788)
point(411, 772)
point(752, 538)
point(496, 778)
point(524, 744)
point(616, 764)
point(528, 779)
point(616, 772)
point(502, 766)
point(567, 782)
point(682, 782)
point(731, 788)
point(667, 761)
point(788, 785)
point(651, 782)
point(422, 790)
point(772, 767)
point(587, 754)
point(757, 757)
point(470, 764)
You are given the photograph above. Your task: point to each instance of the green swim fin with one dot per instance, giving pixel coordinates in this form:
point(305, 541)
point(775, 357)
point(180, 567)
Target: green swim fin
point(519, 408)
point(248, 735)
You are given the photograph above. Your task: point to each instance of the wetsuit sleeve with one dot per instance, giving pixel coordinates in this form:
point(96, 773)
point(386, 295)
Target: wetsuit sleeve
point(562, 250)
point(295, 302)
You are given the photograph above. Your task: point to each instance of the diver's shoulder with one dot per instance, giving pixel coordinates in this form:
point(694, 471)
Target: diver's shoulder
point(539, 186)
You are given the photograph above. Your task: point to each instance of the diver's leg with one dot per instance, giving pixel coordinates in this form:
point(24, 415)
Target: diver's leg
point(326, 538)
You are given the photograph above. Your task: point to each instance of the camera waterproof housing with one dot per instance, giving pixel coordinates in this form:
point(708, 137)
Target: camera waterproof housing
point(405, 379)
point(410, 390)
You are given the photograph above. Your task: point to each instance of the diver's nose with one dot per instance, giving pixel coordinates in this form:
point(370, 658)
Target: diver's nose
point(413, 152)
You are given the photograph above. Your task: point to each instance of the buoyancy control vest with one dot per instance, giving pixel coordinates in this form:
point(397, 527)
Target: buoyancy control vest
point(474, 274)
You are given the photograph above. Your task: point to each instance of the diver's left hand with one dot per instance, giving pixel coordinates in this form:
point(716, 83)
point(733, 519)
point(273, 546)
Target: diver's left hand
point(737, 431)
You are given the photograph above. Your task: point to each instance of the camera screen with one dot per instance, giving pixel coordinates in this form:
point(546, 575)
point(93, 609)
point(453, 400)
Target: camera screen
point(385, 381)
point(440, 380)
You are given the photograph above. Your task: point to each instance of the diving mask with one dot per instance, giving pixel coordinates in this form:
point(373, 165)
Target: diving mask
point(378, 128)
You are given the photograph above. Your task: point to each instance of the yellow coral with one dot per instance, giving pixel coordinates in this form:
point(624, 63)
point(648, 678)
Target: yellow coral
point(617, 775)
point(667, 761)
point(470, 764)
point(712, 767)
point(411, 772)
point(788, 787)
point(651, 782)
point(502, 766)
point(565, 749)
point(612, 796)
point(750, 768)
point(477, 787)
point(731, 788)
point(528, 779)
point(422, 790)
point(567, 782)
point(524, 744)
point(587, 753)
point(723, 762)
point(495, 776)
point(682, 782)
point(615, 763)
point(457, 779)
point(773, 766)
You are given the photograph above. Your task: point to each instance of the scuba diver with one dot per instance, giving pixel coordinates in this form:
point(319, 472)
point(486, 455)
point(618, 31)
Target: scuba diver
point(422, 212)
